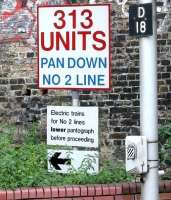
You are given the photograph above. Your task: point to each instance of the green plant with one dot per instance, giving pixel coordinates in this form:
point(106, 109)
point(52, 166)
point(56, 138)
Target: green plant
point(26, 165)
point(165, 149)
point(30, 137)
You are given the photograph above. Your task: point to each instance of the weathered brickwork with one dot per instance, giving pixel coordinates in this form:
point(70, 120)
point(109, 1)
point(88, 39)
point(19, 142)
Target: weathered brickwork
point(21, 101)
point(124, 191)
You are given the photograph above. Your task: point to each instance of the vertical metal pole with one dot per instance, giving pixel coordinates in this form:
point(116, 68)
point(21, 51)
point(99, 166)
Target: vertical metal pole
point(75, 94)
point(75, 98)
point(148, 109)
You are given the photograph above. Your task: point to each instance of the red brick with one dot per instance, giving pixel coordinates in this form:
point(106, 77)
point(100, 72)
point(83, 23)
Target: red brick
point(161, 187)
point(125, 188)
point(69, 191)
point(77, 191)
point(3, 195)
point(39, 192)
point(133, 188)
point(119, 189)
point(104, 198)
point(37, 199)
point(59, 199)
point(10, 194)
point(119, 197)
point(17, 194)
point(62, 191)
point(47, 192)
point(98, 189)
point(165, 196)
point(138, 188)
point(105, 190)
point(128, 197)
point(91, 191)
point(32, 193)
point(102, 192)
point(84, 191)
point(55, 192)
point(137, 196)
point(24, 193)
point(112, 189)
point(83, 198)
point(167, 186)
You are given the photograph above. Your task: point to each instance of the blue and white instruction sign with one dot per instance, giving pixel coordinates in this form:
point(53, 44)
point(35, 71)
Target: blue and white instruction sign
point(73, 47)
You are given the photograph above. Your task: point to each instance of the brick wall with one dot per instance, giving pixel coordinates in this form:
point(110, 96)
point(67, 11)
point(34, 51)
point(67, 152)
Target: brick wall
point(125, 191)
point(21, 101)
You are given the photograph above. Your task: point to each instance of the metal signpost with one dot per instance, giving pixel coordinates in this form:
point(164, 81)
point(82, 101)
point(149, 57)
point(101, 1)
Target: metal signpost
point(148, 108)
point(143, 25)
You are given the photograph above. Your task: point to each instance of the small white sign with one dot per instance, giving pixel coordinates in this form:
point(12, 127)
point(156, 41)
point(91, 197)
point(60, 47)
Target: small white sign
point(72, 126)
point(65, 161)
point(73, 47)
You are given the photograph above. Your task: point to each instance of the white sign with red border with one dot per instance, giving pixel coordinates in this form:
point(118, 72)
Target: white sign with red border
point(73, 47)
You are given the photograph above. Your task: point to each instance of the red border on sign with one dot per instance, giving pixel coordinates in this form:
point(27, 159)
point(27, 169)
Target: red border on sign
point(110, 39)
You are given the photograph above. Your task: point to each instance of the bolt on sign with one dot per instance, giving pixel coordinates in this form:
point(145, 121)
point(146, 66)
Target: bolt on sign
point(73, 47)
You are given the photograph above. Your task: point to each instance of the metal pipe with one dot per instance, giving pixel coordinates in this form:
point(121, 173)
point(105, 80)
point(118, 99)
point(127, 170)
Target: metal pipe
point(75, 98)
point(148, 109)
